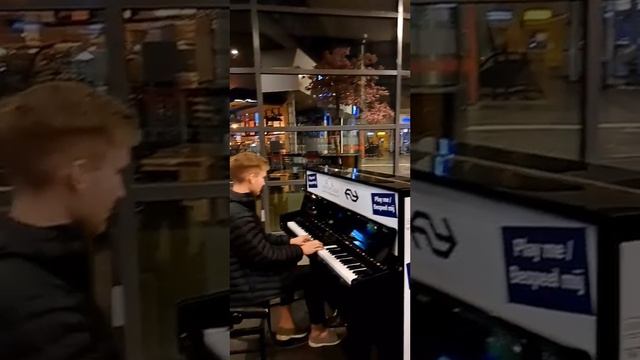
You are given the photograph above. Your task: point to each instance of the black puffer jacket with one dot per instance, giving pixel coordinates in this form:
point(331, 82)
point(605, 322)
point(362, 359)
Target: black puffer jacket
point(258, 261)
point(46, 311)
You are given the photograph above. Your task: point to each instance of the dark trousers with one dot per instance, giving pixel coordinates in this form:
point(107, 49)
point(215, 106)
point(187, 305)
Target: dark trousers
point(306, 278)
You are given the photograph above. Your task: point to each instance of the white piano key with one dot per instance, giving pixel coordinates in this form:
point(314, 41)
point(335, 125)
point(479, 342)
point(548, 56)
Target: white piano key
point(340, 269)
point(346, 274)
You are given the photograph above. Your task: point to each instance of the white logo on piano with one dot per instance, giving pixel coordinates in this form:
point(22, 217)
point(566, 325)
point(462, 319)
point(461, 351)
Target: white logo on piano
point(330, 187)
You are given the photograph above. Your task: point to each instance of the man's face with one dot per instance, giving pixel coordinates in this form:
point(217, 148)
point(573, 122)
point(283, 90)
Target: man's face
point(97, 189)
point(256, 182)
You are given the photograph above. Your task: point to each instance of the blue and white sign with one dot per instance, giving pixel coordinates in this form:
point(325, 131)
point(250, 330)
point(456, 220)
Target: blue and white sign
point(312, 181)
point(357, 197)
point(384, 204)
point(547, 267)
point(476, 272)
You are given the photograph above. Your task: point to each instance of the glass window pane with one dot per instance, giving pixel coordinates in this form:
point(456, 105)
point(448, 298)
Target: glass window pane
point(494, 76)
point(317, 100)
point(405, 153)
point(241, 142)
point(405, 101)
point(406, 44)
point(243, 110)
point(183, 247)
point(40, 46)
point(179, 85)
point(378, 147)
point(290, 152)
point(618, 126)
point(241, 39)
point(405, 133)
point(283, 199)
point(300, 41)
point(381, 5)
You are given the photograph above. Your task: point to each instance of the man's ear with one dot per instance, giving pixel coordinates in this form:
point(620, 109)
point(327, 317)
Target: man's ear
point(77, 174)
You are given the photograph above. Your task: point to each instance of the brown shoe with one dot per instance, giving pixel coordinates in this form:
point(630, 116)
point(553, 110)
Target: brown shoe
point(327, 338)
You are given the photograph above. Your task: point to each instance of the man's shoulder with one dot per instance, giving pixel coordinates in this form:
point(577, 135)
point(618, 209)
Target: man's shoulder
point(239, 212)
point(236, 206)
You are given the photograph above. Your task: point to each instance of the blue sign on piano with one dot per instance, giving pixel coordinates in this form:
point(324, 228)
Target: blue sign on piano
point(547, 267)
point(384, 204)
point(312, 181)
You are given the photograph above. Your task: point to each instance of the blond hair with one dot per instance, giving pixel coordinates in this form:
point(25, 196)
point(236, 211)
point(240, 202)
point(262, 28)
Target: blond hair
point(40, 124)
point(242, 164)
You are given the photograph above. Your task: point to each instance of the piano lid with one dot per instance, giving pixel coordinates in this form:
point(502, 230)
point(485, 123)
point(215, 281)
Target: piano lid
point(572, 188)
point(399, 184)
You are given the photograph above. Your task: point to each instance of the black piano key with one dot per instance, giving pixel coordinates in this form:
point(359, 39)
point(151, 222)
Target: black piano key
point(354, 266)
point(349, 261)
point(361, 272)
point(345, 257)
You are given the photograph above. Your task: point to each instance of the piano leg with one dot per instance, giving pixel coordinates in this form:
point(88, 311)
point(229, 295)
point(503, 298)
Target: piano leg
point(375, 321)
point(358, 345)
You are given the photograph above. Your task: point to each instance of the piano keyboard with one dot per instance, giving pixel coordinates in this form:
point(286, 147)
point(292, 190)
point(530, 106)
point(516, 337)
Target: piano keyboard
point(346, 266)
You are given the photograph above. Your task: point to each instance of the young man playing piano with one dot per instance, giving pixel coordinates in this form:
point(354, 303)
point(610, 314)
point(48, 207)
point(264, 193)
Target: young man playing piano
point(64, 146)
point(263, 265)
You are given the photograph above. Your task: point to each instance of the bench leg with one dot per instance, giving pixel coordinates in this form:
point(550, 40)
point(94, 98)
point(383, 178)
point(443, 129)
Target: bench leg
point(263, 346)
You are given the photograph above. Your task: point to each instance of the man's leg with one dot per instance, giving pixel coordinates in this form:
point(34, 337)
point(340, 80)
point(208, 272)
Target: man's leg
point(285, 326)
point(307, 278)
point(285, 318)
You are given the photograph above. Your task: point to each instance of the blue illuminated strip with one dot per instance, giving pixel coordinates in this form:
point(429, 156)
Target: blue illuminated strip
point(356, 234)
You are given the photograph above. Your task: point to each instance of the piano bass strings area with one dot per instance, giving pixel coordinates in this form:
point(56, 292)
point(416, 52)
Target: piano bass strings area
point(363, 259)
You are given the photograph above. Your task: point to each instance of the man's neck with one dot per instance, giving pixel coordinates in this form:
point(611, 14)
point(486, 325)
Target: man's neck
point(240, 188)
point(40, 209)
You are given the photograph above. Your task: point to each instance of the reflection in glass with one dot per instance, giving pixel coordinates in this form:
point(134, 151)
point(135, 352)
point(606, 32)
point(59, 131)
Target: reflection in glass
point(321, 100)
point(406, 43)
point(283, 199)
point(182, 248)
point(241, 142)
point(290, 152)
point(300, 41)
point(243, 111)
point(618, 121)
point(241, 39)
point(366, 5)
point(515, 81)
point(405, 153)
point(175, 59)
point(42, 46)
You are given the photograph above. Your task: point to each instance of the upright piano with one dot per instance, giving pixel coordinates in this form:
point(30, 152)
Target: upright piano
point(522, 256)
point(360, 217)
